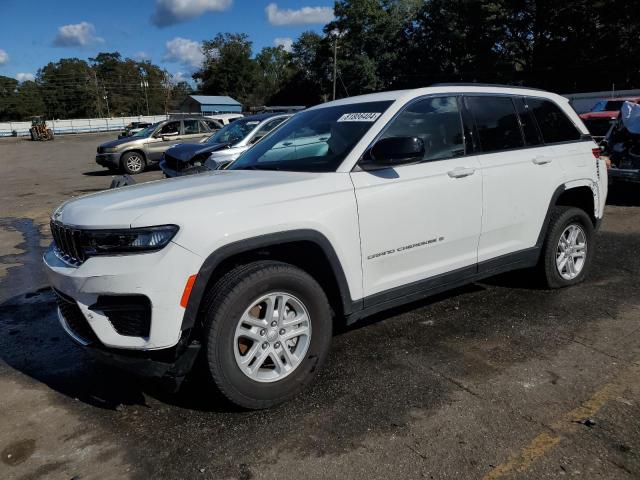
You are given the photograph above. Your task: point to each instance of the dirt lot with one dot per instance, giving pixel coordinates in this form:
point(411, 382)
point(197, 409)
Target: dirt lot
point(495, 380)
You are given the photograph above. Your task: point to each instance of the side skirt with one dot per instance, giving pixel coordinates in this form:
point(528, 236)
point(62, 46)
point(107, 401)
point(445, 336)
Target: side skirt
point(440, 283)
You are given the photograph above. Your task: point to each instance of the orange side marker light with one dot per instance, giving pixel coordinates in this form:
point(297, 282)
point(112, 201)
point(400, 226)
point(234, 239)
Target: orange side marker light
point(187, 291)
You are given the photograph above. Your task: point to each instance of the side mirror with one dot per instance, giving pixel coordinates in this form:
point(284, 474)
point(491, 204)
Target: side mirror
point(393, 151)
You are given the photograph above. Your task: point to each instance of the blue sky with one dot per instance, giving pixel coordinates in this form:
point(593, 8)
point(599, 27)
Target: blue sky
point(167, 32)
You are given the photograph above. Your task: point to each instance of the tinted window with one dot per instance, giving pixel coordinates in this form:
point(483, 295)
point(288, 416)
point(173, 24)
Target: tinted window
point(529, 127)
point(190, 127)
point(553, 123)
point(496, 123)
point(437, 122)
point(315, 140)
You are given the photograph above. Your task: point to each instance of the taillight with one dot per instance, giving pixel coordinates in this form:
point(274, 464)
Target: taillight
point(596, 152)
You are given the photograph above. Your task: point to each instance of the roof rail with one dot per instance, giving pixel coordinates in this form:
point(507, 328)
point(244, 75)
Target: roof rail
point(474, 84)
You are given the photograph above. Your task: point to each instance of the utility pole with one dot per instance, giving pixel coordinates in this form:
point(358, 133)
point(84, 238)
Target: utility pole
point(144, 84)
point(106, 100)
point(95, 78)
point(335, 62)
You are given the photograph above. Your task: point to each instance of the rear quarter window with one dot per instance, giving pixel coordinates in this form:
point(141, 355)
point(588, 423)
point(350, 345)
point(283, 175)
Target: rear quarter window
point(554, 124)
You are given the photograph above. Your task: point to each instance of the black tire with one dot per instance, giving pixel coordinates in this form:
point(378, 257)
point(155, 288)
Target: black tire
point(225, 304)
point(561, 219)
point(130, 160)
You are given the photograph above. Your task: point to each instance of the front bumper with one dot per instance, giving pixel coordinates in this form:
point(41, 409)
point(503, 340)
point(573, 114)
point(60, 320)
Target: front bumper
point(624, 175)
point(158, 276)
point(108, 160)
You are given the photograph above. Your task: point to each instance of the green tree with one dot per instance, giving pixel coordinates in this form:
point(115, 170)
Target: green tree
point(228, 68)
point(67, 89)
point(8, 97)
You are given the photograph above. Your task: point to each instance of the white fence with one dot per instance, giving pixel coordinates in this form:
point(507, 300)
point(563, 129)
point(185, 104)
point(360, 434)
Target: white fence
point(78, 125)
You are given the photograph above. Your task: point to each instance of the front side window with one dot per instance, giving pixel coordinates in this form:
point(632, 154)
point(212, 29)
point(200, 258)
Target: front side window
point(170, 128)
point(553, 123)
point(315, 140)
point(496, 123)
point(437, 122)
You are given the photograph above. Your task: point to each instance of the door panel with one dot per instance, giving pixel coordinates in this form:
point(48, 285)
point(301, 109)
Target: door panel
point(518, 186)
point(417, 221)
point(157, 146)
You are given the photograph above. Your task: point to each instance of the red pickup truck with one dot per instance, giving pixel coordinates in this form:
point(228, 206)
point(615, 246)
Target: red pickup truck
point(599, 119)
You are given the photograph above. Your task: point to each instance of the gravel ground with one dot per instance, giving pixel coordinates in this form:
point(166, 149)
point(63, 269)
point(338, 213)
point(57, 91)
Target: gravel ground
point(495, 380)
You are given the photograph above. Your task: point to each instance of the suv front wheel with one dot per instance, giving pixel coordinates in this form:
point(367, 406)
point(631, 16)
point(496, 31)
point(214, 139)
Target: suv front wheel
point(133, 162)
point(267, 331)
point(568, 248)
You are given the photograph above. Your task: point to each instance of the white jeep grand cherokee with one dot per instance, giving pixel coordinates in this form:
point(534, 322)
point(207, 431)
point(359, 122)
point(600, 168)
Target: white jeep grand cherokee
point(348, 208)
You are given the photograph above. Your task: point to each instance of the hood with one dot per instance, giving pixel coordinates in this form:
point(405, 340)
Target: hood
point(186, 151)
point(121, 141)
point(171, 200)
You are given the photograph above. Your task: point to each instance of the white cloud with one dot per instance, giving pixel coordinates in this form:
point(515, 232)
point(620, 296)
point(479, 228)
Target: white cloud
point(23, 76)
point(169, 12)
point(77, 35)
point(185, 52)
point(301, 16)
point(284, 42)
point(4, 57)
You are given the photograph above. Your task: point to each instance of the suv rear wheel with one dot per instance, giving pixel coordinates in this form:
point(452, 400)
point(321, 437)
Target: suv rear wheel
point(267, 330)
point(568, 249)
point(133, 162)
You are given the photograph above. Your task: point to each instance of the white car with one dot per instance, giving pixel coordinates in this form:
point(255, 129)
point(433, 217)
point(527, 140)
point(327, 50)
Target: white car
point(347, 209)
point(225, 118)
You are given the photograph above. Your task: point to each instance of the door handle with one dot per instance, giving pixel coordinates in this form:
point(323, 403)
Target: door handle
point(461, 172)
point(541, 160)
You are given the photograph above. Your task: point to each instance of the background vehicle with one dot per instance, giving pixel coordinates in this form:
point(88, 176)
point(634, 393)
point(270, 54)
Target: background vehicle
point(622, 145)
point(39, 130)
point(133, 127)
point(132, 154)
point(221, 148)
point(387, 198)
point(599, 119)
point(225, 118)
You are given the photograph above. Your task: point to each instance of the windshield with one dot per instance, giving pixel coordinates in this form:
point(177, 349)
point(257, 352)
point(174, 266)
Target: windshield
point(234, 132)
point(314, 140)
point(145, 132)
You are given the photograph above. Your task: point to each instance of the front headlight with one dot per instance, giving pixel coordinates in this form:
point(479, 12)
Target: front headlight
point(110, 149)
point(131, 240)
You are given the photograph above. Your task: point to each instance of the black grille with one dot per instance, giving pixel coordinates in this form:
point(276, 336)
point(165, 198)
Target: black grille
point(130, 315)
point(74, 318)
point(67, 243)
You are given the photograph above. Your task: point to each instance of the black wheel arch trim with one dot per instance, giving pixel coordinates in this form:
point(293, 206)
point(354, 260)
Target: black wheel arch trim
point(136, 150)
point(263, 241)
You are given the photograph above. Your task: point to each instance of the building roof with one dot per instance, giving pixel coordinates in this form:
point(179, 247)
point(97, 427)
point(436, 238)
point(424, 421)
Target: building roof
point(214, 100)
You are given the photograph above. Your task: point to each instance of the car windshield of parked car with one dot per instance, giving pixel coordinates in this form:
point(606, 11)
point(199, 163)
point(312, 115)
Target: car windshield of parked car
point(314, 140)
point(146, 132)
point(234, 132)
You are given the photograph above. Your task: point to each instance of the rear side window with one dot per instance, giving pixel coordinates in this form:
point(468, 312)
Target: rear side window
point(496, 123)
point(554, 124)
point(437, 122)
point(529, 128)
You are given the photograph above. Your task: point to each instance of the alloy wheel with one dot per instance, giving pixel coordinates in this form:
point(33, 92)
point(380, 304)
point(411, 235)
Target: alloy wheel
point(272, 337)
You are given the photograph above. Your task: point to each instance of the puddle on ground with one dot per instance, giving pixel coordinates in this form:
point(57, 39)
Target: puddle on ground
point(21, 248)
